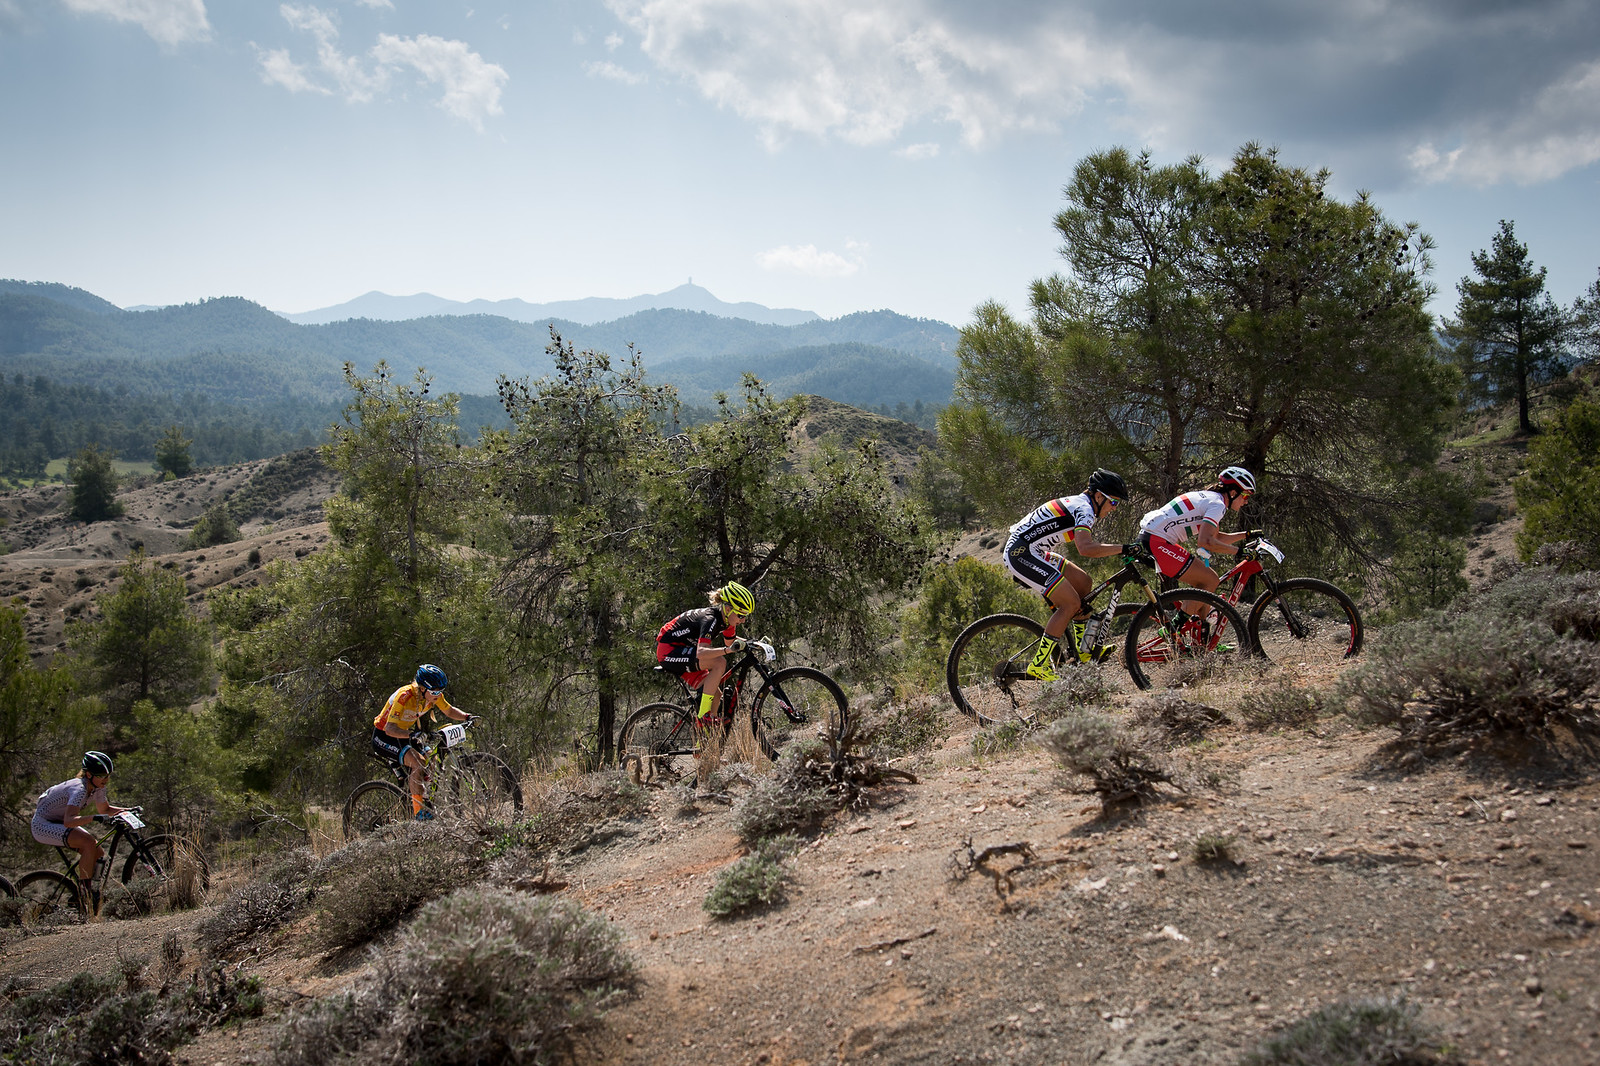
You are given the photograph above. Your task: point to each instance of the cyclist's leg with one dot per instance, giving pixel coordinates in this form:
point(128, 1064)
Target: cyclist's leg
point(1054, 580)
point(1176, 562)
point(412, 761)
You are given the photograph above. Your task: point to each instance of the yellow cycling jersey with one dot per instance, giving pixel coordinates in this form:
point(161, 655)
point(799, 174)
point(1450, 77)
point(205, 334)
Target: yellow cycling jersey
point(407, 706)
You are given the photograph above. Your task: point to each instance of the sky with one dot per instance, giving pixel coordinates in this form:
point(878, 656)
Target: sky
point(830, 155)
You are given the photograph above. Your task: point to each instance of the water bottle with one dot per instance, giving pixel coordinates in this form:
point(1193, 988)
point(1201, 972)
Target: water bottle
point(1088, 647)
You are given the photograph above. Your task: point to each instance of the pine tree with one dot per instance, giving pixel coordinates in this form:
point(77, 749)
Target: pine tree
point(94, 486)
point(172, 453)
point(1507, 335)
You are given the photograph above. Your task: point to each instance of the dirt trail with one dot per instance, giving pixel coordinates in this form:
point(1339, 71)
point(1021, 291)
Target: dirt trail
point(1474, 899)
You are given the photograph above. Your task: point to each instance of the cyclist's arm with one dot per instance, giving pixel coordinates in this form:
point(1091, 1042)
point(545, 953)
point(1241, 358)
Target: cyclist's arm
point(73, 819)
point(1089, 547)
point(1211, 538)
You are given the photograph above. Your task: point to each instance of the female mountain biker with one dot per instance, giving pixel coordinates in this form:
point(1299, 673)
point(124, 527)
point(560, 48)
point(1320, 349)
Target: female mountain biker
point(393, 731)
point(59, 817)
point(1031, 557)
point(686, 646)
point(1197, 515)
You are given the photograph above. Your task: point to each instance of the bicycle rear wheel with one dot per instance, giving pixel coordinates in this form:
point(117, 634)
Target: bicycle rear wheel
point(987, 670)
point(1163, 652)
point(484, 790)
point(662, 736)
point(7, 889)
point(373, 805)
point(1306, 623)
point(46, 892)
point(798, 702)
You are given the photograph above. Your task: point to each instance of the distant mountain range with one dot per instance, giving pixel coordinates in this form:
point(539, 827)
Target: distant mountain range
point(230, 350)
point(595, 309)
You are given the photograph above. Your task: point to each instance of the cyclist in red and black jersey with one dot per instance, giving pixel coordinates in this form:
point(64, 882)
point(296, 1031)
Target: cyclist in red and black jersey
point(687, 646)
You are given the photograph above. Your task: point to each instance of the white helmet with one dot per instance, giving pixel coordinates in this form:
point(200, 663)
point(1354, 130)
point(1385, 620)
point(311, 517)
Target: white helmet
point(1238, 476)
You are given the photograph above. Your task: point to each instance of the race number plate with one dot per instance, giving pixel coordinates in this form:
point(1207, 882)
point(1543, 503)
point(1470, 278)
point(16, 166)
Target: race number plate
point(454, 734)
point(131, 820)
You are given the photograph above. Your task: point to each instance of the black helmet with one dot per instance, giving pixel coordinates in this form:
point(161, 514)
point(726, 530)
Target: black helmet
point(431, 677)
point(98, 763)
point(1109, 482)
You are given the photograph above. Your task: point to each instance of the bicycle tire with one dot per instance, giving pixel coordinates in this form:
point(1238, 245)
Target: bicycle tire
point(662, 736)
point(798, 701)
point(169, 859)
point(7, 889)
point(47, 892)
point(1307, 622)
point(484, 790)
point(986, 670)
point(373, 805)
point(1158, 659)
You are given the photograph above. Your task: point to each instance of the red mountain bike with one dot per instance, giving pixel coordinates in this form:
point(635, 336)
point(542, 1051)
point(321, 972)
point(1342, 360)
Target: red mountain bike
point(1301, 621)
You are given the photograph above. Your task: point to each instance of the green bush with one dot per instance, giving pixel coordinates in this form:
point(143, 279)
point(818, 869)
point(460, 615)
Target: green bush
point(1374, 1032)
point(1493, 669)
point(754, 882)
point(215, 527)
point(1424, 575)
point(1560, 495)
point(1277, 702)
point(483, 975)
point(906, 726)
point(954, 595)
point(259, 907)
point(1118, 763)
point(369, 886)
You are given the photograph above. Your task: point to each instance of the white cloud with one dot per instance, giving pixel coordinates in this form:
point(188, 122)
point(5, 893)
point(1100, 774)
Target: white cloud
point(169, 22)
point(867, 73)
point(809, 260)
point(277, 68)
point(471, 85)
point(1556, 133)
point(387, 5)
point(917, 152)
point(613, 72)
point(613, 41)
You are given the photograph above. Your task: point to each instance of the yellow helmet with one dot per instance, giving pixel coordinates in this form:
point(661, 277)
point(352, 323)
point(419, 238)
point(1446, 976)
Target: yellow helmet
point(737, 599)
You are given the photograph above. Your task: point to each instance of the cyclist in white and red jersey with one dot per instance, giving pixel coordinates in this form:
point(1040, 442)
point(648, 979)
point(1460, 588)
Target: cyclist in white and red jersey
point(1032, 557)
point(1196, 517)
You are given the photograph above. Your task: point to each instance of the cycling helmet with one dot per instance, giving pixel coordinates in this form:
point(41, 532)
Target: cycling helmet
point(1238, 477)
point(737, 599)
point(431, 677)
point(98, 763)
point(1108, 482)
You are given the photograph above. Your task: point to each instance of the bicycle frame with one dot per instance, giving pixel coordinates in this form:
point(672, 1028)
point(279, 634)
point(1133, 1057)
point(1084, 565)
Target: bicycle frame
point(1244, 570)
point(733, 681)
point(447, 738)
point(123, 825)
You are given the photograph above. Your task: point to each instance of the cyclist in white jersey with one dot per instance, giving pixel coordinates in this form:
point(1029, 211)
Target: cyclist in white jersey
point(1196, 517)
point(1033, 560)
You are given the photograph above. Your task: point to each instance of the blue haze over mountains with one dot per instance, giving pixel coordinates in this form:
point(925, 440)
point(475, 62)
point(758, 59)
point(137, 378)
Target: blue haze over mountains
point(238, 352)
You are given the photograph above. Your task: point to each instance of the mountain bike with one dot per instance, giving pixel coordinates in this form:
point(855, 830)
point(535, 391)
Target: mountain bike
point(1302, 620)
point(790, 703)
point(987, 669)
point(153, 862)
point(473, 785)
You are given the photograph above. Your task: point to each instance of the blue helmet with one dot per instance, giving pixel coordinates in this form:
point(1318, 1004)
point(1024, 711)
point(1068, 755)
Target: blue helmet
point(431, 677)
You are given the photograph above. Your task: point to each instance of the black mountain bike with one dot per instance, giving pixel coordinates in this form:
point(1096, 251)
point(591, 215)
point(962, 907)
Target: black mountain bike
point(150, 863)
point(793, 702)
point(987, 670)
point(473, 785)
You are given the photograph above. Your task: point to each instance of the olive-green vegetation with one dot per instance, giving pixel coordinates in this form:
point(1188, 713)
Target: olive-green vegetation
point(172, 453)
point(1507, 336)
point(1560, 494)
point(1246, 317)
point(94, 486)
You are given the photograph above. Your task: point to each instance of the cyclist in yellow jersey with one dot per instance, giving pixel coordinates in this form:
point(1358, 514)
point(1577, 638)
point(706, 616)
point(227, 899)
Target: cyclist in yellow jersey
point(393, 731)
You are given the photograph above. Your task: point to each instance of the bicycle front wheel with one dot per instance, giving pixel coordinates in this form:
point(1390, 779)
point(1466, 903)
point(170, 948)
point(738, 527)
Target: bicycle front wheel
point(46, 892)
point(7, 889)
point(662, 736)
point(169, 865)
point(484, 790)
point(798, 702)
point(1306, 623)
point(1163, 650)
point(987, 670)
point(373, 805)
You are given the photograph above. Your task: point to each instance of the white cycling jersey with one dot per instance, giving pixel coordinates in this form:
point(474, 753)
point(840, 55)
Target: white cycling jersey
point(1052, 524)
point(1179, 519)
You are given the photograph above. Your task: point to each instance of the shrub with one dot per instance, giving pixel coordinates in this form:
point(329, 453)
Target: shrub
point(1373, 1032)
point(261, 906)
point(904, 726)
point(1212, 848)
point(1560, 496)
point(1491, 670)
point(1278, 702)
point(216, 526)
point(483, 975)
point(367, 887)
point(1116, 761)
point(1179, 720)
point(790, 801)
point(754, 882)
